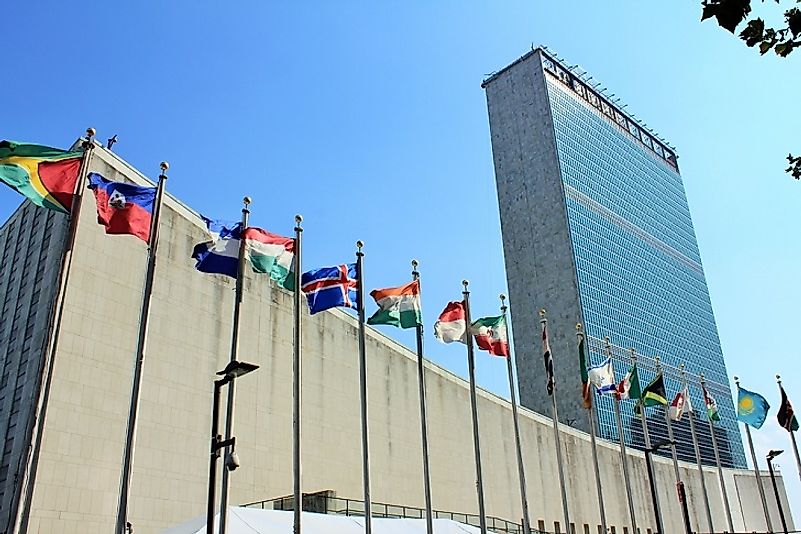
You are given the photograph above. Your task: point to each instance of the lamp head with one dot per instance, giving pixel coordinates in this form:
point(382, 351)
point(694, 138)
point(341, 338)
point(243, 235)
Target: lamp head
point(774, 453)
point(235, 369)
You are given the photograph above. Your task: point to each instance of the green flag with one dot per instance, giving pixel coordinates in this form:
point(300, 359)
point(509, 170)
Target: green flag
point(629, 387)
point(586, 391)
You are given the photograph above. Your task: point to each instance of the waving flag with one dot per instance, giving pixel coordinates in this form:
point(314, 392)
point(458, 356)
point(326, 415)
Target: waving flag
point(46, 176)
point(629, 387)
point(547, 359)
point(586, 394)
point(680, 405)
point(330, 287)
point(123, 208)
point(654, 393)
point(752, 408)
point(786, 415)
point(398, 306)
point(221, 254)
point(491, 335)
point(271, 254)
point(451, 325)
point(711, 405)
point(603, 377)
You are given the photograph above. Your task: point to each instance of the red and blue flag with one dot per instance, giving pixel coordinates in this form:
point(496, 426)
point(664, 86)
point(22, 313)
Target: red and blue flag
point(123, 208)
point(330, 287)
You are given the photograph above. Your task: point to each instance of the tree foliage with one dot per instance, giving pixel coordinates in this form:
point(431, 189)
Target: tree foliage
point(783, 40)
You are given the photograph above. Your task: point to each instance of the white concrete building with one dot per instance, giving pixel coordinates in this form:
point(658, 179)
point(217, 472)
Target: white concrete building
point(74, 475)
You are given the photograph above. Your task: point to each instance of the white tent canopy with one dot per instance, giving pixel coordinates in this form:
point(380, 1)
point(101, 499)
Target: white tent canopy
point(257, 521)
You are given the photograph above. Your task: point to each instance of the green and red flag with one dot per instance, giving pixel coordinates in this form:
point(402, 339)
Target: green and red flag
point(586, 391)
point(491, 335)
point(398, 306)
point(271, 254)
point(629, 387)
point(711, 405)
point(46, 176)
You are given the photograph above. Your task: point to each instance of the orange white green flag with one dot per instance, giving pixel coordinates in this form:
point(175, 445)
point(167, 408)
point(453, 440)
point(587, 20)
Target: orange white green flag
point(46, 176)
point(398, 306)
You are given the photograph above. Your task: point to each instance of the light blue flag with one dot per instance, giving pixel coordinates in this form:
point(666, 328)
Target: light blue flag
point(752, 408)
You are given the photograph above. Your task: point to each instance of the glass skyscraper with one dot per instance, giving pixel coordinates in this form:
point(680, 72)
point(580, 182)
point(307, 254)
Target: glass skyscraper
point(597, 230)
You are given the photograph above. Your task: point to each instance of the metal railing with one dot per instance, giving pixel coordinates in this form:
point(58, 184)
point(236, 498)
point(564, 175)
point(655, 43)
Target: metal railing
point(329, 504)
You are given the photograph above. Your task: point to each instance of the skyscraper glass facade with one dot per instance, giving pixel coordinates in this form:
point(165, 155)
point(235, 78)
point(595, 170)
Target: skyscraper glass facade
point(638, 267)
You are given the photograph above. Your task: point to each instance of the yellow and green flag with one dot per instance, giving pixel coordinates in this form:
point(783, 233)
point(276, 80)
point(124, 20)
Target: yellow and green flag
point(654, 393)
point(46, 176)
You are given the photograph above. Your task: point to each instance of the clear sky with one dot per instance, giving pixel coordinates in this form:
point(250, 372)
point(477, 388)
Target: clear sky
point(368, 118)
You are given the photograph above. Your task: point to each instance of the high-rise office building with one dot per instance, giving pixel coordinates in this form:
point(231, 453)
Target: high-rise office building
point(597, 229)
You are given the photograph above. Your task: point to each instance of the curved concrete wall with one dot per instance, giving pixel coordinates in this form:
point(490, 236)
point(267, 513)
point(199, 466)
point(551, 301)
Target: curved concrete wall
point(79, 468)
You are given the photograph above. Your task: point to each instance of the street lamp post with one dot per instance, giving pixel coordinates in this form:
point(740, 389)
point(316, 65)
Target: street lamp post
point(649, 467)
point(771, 455)
point(231, 372)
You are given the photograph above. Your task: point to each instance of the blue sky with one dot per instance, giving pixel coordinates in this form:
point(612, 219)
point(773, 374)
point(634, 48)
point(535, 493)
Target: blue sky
point(368, 118)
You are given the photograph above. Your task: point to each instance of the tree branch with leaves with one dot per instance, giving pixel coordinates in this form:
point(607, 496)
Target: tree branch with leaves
point(782, 40)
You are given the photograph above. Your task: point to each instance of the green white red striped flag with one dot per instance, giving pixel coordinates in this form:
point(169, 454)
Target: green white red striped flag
point(491, 335)
point(271, 254)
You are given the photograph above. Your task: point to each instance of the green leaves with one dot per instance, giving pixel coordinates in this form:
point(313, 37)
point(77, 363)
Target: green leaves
point(729, 13)
point(754, 32)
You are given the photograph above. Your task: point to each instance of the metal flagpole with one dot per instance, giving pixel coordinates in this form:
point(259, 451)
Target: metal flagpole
point(423, 416)
point(229, 409)
point(722, 481)
point(647, 439)
point(520, 468)
point(130, 438)
point(593, 431)
point(623, 456)
point(697, 449)
point(792, 434)
point(35, 425)
point(297, 495)
point(682, 495)
point(368, 512)
point(756, 470)
point(557, 440)
point(471, 365)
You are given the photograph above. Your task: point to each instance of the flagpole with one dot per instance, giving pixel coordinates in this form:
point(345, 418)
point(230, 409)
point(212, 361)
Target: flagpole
point(144, 321)
point(521, 474)
point(623, 456)
point(557, 440)
point(756, 469)
point(680, 492)
point(649, 463)
point(792, 434)
point(697, 449)
point(297, 495)
point(471, 365)
point(368, 512)
point(727, 506)
point(423, 415)
point(593, 431)
point(35, 426)
point(229, 411)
